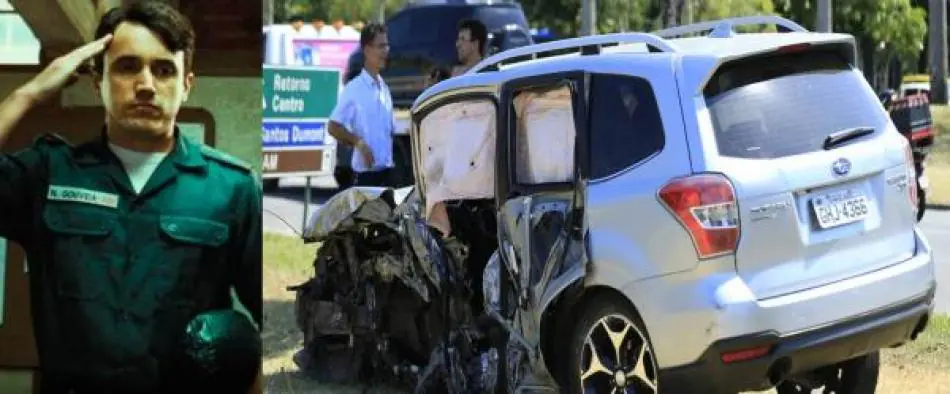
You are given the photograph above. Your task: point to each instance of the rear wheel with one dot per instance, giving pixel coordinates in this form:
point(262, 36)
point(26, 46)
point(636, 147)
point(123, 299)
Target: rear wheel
point(610, 351)
point(921, 203)
point(855, 376)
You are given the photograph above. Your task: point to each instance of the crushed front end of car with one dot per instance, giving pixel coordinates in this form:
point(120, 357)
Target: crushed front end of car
point(391, 301)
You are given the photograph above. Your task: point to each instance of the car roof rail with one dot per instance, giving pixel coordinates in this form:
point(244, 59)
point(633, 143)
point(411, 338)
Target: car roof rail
point(586, 45)
point(725, 28)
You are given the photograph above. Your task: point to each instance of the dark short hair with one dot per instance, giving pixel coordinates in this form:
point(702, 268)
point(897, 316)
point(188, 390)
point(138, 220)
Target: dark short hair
point(369, 33)
point(478, 31)
point(173, 28)
point(295, 18)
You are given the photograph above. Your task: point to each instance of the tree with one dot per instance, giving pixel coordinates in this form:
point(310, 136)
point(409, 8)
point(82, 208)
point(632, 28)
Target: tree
point(348, 10)
point(720, 9)
point(638, 15)
point(883, 29)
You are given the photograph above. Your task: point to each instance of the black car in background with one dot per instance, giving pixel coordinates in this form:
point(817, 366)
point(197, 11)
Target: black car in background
point(421, 38)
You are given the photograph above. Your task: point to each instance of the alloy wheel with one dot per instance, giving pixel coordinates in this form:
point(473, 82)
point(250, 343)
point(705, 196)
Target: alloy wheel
point(617, 358)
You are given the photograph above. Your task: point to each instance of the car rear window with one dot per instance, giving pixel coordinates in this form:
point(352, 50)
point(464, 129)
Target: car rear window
point(787, 104)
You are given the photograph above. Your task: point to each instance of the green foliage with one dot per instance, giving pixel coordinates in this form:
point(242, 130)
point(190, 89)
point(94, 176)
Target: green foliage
point(348, 10)
point(897, 24)
point(562, 16)
point(719, 9)
point(637, 15)
point(887, 27)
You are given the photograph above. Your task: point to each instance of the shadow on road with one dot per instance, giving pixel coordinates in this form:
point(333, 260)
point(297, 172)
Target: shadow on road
point(296, 194)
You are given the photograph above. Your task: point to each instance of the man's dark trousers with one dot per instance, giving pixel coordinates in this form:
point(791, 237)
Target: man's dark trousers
point(381, 178)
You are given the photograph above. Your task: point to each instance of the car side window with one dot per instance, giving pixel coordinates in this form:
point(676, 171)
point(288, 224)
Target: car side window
point(545, 135)
point(625, 124)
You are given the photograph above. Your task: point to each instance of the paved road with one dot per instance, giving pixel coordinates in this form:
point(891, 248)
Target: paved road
point(288, 204)
point(936, 227)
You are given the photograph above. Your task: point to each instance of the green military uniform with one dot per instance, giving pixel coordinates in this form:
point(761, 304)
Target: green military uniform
point(116, 276)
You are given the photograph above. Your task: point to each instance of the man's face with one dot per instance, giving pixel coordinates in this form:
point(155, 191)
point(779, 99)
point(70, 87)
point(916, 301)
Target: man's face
point(297, 25)
point(143, 84)
point(377, 52)
point(466, 47)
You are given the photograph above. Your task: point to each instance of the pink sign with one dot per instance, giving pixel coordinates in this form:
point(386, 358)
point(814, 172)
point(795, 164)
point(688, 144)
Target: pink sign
point(325, 52)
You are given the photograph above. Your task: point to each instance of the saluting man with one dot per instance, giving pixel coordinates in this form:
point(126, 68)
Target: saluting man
point(132, 235)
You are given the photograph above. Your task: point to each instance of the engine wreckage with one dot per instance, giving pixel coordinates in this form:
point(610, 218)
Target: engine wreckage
point(394, 302)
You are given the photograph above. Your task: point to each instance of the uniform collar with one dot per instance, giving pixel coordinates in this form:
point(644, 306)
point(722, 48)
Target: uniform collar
point(186, 155)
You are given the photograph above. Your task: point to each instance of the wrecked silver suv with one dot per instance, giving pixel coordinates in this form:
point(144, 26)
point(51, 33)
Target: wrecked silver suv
point(632, 213)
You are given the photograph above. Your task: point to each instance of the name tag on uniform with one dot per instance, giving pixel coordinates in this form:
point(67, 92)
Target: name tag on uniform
point(86, 196)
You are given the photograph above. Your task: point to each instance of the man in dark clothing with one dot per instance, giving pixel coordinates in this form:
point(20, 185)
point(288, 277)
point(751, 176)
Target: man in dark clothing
point(132, 235)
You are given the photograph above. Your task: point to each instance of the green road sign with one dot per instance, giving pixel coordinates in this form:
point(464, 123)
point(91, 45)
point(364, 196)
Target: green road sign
point(299, 92)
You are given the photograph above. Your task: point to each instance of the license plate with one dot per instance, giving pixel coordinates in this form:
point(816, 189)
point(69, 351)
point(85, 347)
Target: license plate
point(840, 208)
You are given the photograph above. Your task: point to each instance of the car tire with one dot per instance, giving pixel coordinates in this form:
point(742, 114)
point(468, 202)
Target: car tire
point(598, 317)
point(921, 203)
point(856, 376)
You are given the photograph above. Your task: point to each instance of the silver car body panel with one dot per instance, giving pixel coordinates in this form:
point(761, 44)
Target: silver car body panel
point(784, 273)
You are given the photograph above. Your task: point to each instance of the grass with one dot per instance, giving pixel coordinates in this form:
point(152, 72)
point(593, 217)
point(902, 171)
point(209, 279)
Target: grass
point(931, 349)
point(917, 367)
point(287, 261)
point(938, 162)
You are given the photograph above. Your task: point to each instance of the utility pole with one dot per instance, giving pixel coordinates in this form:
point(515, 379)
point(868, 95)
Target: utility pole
point(268, 12)
point(688, 11)
point(824, 16)
point(938, 51)
point(588, 17)
point(381, 7)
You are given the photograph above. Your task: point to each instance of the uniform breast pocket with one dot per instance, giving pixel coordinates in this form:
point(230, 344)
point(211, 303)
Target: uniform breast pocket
point(192, 238)
point(82, 249)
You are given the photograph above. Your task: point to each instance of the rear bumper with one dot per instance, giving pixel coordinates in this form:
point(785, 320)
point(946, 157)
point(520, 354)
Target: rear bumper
point(798, 352)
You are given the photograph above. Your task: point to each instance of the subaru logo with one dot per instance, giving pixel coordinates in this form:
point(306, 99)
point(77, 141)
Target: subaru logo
point(841, 166)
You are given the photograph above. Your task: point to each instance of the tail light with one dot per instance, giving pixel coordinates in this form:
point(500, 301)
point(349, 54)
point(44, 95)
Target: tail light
point(706, 205)
point(911, 176)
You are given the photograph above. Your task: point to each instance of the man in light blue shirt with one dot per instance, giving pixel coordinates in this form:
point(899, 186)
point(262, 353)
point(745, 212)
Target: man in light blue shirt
point(363, 117)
